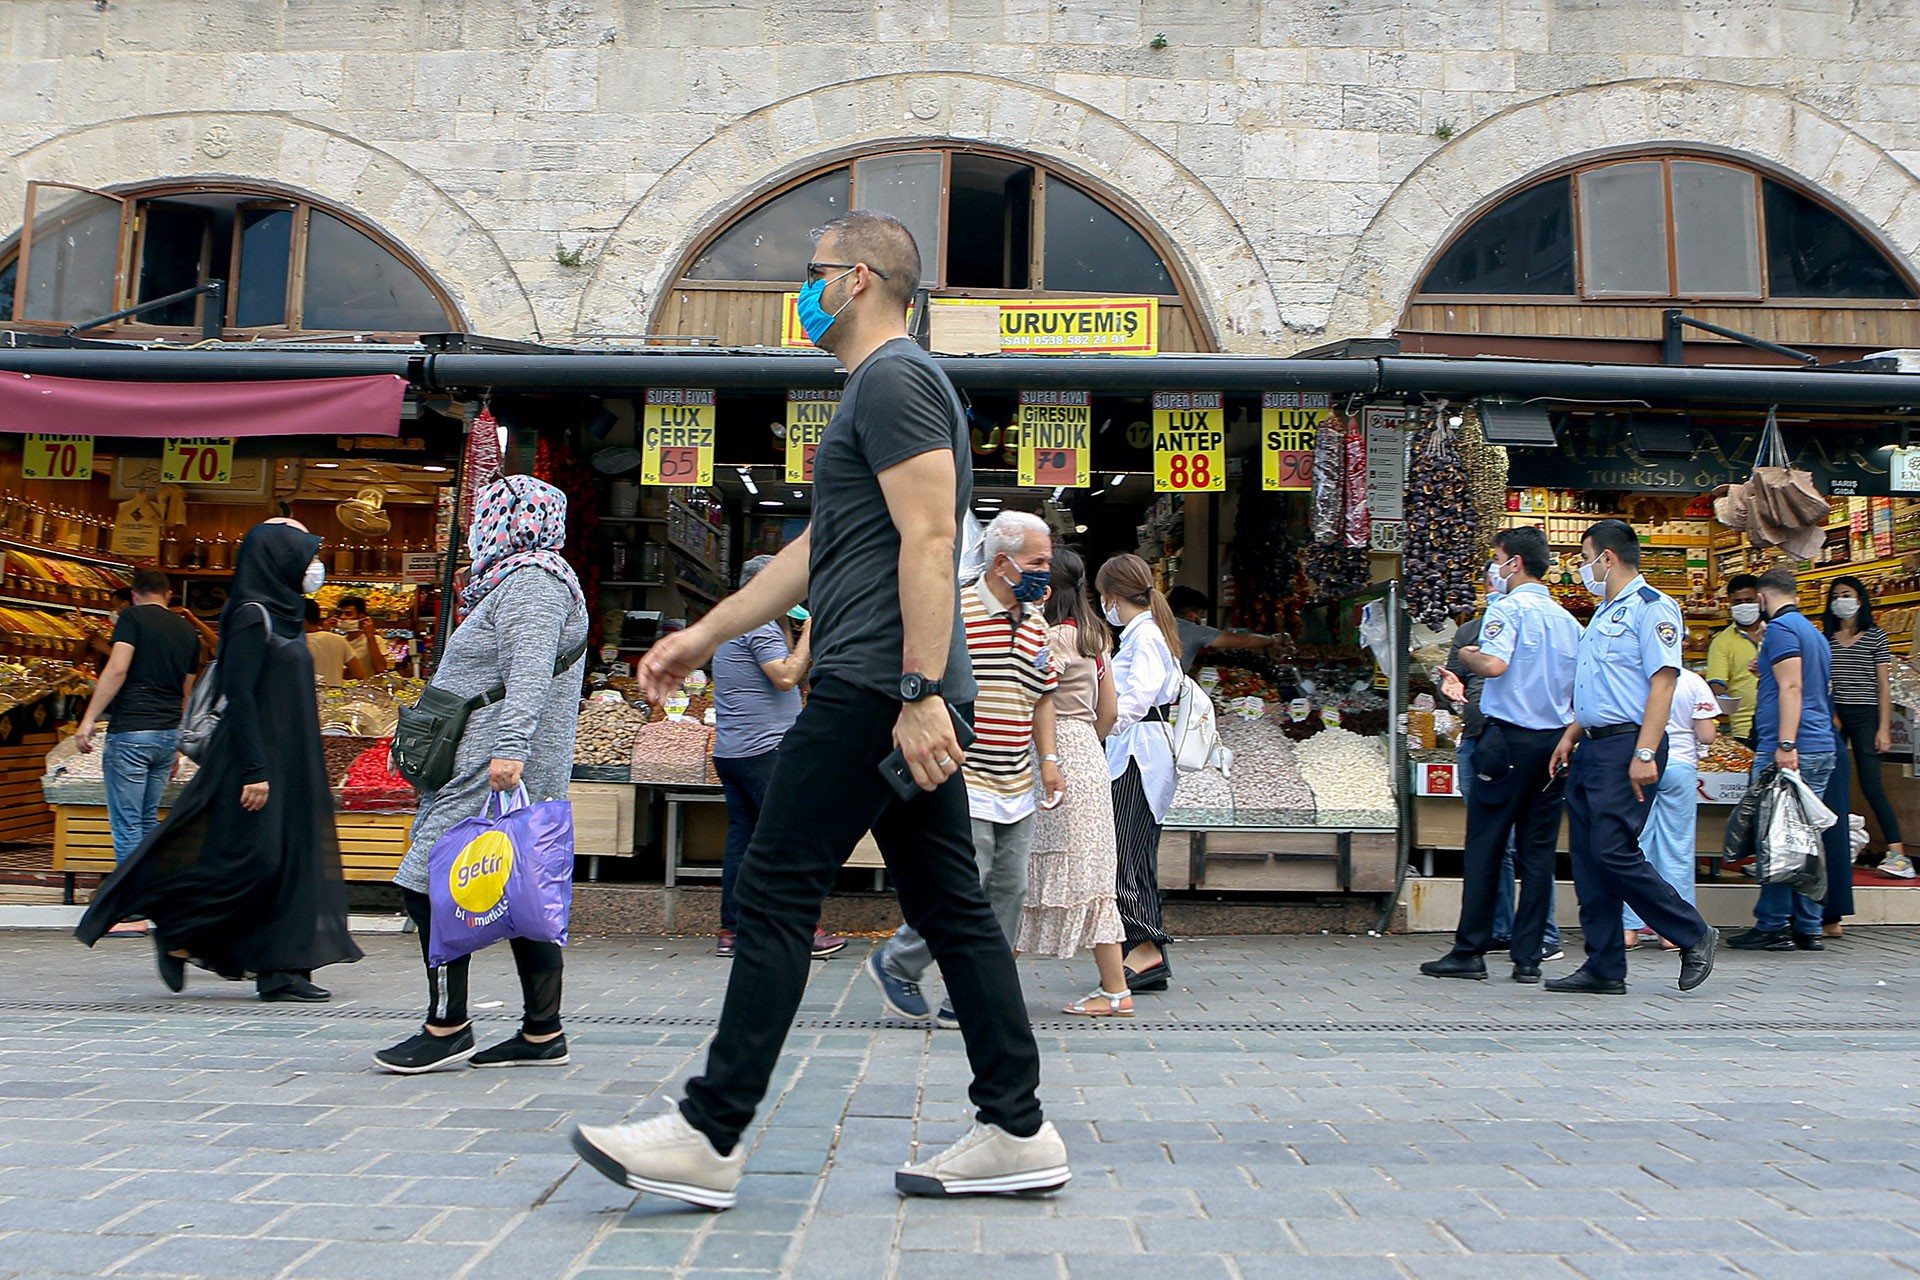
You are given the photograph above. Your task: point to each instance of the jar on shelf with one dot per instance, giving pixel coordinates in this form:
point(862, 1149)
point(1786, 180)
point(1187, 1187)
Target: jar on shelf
point(220, 554)
point(170, 549)
point(36, 526)
point(343, 560)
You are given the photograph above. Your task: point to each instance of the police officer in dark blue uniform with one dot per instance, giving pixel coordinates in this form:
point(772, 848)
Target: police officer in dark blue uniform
point(1622, 691)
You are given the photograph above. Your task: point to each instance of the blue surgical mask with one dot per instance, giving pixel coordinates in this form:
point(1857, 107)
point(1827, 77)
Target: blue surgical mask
point(814, 318)
point(1032, 585)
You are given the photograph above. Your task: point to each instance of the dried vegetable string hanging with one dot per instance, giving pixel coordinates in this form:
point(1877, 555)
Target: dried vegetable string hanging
point(1443, 540)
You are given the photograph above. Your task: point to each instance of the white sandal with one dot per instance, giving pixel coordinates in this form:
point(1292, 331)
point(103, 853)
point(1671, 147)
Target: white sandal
point(1119, 1004)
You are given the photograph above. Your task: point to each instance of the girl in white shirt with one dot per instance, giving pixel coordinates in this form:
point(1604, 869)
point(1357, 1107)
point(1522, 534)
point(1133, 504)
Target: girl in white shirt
point(1671, 833)
point(1147, 680)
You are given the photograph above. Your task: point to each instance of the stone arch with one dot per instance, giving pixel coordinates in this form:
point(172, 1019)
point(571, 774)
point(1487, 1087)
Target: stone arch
point(758, 152)
point(388, 194)
point(1765, 127)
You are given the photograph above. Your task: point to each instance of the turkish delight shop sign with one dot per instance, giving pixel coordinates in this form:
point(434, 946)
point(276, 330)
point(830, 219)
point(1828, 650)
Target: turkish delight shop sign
point(1042, 326)
point(1598, 453)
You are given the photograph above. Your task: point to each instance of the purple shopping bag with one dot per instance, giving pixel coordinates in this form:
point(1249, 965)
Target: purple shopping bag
point(505, 874)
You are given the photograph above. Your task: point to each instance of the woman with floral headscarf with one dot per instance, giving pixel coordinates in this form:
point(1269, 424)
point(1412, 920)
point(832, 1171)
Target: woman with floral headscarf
point(522, 613)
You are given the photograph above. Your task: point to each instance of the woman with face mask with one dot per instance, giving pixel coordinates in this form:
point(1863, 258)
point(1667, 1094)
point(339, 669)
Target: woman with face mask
point(1863, 704)
point(1146, 682)
point(243, 876)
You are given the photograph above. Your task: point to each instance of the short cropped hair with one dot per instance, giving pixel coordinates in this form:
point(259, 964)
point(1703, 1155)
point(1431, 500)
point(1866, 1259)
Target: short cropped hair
point(313, 611)
point(1779, 582)
point(1616, 536)
point(1530, 544)
point(350, 602)
point(883, 242)
point(1185, 598)
point(1742, 582)
point(151, 582)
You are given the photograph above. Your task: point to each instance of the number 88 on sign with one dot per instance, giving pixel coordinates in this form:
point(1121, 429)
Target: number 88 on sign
point(1189, 442)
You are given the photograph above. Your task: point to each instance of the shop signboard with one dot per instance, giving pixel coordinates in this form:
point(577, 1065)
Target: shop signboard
point(676, 436)
point(808, 413)
point(1386, 428)
point(1598, 453)
point(420, 567)
point(1189, 442)
point(1903, 469)
point(50, 457)
point(1041, 326)
point(1288, 420)
point(203, 460)
point(1436, 779)
point(1721, 788)
point(1056, 438)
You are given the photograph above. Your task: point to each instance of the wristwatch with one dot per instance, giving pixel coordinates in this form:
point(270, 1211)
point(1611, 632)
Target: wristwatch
point(914, 687)
point(1788, 744)
point(1643, 754)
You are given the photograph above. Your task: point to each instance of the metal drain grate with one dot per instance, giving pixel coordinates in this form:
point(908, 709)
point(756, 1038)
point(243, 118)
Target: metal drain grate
point(240, 1012)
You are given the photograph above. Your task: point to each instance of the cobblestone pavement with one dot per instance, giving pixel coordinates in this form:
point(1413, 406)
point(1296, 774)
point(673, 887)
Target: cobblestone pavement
point(1291, 1098)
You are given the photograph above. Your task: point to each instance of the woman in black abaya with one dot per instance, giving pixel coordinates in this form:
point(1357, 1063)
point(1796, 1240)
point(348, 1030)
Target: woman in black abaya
point(243, 877)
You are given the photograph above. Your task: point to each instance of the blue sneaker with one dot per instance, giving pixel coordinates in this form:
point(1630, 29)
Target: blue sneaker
point(902, 998)
point(946, 1019)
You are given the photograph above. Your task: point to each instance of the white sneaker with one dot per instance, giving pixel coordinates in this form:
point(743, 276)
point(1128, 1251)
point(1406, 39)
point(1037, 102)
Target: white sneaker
point(666, 1156)
point(1897, 865)
point(990, 1161)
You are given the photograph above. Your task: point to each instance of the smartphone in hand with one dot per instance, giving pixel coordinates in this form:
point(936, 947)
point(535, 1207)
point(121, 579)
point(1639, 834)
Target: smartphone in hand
point(899, 774)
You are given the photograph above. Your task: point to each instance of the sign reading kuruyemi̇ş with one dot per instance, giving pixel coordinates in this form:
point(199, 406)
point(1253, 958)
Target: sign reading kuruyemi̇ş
point(1044, 326)
point(808, 413)
point(676, 436)
point(1056, 438)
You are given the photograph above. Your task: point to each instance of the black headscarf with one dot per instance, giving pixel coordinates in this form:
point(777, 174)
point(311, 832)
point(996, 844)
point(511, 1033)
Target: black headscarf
point(272, 561)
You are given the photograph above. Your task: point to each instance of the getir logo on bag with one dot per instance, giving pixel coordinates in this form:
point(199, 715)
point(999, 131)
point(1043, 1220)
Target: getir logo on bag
point(478, 878)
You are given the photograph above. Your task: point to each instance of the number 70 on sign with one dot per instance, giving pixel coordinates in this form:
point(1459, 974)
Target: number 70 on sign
point(207, 460)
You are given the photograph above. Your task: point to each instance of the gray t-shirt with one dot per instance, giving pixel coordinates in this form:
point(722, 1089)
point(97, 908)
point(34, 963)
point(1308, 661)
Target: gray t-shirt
point(1194, 636)
point(896, 406)
point(750, 715)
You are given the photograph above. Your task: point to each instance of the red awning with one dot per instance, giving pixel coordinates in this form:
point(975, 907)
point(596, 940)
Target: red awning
point(365, 406)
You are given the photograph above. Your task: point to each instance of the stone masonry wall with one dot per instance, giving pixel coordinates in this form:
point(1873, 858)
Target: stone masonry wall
point(1304, 157)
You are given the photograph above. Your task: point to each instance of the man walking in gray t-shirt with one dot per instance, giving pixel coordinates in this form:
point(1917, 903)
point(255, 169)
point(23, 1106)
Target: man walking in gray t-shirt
point(877, 565)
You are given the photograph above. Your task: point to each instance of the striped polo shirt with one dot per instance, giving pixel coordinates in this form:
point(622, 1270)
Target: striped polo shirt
point(1008, 649)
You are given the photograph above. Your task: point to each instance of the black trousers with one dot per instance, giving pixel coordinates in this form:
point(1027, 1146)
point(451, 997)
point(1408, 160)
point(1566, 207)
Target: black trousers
point(1604, 822)
point(1137, 836)
point(1858, 724)
point(827, 791)
point(540, 965)
point(1524, 804)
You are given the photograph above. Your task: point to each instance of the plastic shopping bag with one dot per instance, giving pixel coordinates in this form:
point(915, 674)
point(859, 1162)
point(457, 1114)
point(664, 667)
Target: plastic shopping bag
point(1788, 842)
point(505, 874)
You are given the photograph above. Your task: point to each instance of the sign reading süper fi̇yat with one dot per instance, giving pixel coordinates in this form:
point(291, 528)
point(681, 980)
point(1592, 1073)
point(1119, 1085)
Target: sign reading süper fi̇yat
point(1288, 420)
point(1056, 438)
point(676, 436)
point(808, 413)
point(1189, 442)
point(1043, 326)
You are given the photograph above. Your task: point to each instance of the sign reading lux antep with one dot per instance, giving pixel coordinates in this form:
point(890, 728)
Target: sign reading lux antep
point(1598, 453)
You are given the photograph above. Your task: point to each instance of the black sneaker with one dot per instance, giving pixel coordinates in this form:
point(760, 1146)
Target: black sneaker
point(424, 1051)
point(518, 1051)
point(1762, 940)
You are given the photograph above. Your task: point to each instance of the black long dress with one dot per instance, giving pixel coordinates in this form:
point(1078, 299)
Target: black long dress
point(248, 893)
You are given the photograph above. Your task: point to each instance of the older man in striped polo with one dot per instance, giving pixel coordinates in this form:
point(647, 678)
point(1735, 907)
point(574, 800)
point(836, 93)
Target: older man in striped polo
point(1007, 642)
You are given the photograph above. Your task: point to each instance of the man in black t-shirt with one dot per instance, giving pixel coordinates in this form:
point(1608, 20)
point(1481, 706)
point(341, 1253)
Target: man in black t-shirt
point(142, 690)
point(877, 567)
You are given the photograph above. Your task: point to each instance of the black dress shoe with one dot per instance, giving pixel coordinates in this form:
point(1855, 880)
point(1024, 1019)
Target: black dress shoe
point(1455, 965)
point(299, 991)
point(1580, 982)
point(173, 969)
point(1153, 978)
point(1808, 942)
point(1762, 940)
point(1527, 973)
point(1696, 961)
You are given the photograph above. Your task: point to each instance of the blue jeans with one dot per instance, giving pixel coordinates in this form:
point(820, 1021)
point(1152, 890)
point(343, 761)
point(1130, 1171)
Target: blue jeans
point(1503, 903)
point(1671, 833)
point(1781, 907)
point(744, 779)
point(137, 766)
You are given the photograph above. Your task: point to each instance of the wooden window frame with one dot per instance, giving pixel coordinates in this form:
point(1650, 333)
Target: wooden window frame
point(23, 256)
point(138, 254)
point(945, 154)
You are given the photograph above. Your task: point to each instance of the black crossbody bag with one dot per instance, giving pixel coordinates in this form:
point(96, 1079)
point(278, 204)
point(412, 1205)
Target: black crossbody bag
point(427, 737)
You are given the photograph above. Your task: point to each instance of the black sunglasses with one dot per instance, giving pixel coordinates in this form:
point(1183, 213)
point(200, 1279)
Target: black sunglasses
point(815, 270)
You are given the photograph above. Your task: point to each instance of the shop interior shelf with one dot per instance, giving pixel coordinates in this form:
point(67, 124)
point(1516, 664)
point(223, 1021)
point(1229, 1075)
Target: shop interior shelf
point(66, 553)
point(633, 520)
point(55, 605)
point(687, 588)
point(624, 582)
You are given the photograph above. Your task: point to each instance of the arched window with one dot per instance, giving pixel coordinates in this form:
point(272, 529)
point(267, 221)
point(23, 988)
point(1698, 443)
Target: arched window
point(982, 221)
point(289, 264)
point(1668, 227)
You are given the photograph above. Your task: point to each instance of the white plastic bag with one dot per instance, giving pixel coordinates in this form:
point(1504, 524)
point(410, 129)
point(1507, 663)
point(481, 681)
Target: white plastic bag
point(1788, 843)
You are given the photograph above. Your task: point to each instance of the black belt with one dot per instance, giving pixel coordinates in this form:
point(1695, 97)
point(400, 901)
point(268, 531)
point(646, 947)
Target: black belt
point(1511, 727)
point(1162, 714)
point(1612, 730)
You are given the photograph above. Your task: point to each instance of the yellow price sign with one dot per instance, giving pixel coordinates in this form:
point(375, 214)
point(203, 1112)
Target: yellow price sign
point(1056, 438)
point(58, 458)
point(808, 413)
point(205, 460)
point(676, 436)
point(1288, 420)
point(1189, 442)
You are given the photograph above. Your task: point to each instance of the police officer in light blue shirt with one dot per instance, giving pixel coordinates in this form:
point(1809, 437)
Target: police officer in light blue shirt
point(1622, 691)
point(1526, 651)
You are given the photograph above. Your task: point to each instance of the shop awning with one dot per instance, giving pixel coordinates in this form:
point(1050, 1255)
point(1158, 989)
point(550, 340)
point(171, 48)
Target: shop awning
point(359, 406)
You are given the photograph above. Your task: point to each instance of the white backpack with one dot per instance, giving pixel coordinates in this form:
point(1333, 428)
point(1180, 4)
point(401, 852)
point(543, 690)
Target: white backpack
point(1192, 733)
